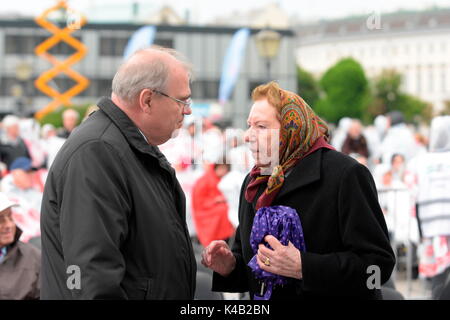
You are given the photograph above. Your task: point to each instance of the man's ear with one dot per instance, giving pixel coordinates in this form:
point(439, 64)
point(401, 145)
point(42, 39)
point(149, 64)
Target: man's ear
point(145, 100)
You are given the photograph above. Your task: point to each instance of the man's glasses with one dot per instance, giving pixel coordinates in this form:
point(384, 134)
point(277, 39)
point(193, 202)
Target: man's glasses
point(185, 103)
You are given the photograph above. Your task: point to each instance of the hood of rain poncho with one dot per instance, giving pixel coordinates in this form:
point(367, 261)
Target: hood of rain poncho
point(440, 134)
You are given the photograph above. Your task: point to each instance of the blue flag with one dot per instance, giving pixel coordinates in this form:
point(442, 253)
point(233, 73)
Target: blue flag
point(232, 63)
point(142, 38)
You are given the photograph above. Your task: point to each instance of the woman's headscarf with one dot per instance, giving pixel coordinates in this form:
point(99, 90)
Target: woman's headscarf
point(302, 132)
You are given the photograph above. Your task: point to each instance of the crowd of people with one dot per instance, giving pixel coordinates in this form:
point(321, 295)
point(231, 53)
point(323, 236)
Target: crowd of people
point(211, 162)
point(27, 150)
point(110, 183)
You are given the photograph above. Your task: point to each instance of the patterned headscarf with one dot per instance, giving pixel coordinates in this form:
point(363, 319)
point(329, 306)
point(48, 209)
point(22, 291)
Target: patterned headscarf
point(302, 132)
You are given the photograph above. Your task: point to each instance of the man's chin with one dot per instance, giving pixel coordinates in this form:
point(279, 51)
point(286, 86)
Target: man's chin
point(6, 240)
point(175, 133)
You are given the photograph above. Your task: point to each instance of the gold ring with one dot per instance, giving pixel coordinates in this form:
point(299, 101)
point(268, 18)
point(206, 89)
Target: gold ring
point(267, 262)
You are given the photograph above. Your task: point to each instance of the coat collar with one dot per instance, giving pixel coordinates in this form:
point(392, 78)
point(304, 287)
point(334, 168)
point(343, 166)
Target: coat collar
point(130, 131)
point(305, 172)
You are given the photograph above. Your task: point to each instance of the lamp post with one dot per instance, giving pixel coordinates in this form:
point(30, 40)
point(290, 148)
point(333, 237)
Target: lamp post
point(268, 44)
point(19, 89)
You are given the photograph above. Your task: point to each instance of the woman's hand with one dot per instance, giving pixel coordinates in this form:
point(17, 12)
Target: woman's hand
point(282, 260)
point(218, 257)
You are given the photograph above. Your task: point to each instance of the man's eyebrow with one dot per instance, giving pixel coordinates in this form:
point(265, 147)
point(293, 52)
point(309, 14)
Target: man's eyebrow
point(186, 97)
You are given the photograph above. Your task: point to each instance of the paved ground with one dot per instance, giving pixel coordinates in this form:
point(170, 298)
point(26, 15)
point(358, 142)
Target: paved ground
point(416, 289)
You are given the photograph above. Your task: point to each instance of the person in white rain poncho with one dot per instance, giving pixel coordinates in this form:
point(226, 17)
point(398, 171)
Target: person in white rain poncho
point(399, 139)
point(433, 205)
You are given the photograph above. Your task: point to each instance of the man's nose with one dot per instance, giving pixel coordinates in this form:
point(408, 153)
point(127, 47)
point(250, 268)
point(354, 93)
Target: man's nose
point(187, 110)
point(9, 223)
point(247, 136)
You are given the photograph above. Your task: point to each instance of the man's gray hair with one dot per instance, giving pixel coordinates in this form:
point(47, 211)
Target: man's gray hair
point(132, 77)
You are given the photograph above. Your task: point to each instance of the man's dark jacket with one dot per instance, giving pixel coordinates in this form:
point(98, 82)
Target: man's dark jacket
point(343, 225)
point(113, 208)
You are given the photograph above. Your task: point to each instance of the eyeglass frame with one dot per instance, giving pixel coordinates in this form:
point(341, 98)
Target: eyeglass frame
point(187, 103)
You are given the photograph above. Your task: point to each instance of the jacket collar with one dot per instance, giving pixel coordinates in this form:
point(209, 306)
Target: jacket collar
point(305, 172)
point(130, 131)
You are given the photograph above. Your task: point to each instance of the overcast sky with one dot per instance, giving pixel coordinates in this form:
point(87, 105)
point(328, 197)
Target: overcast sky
point(205, 10)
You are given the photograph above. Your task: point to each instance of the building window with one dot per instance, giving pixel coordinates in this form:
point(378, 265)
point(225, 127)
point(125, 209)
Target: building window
point(28, 89)
point(419, 81)
point(166, 43)
point(405, 80)
point(115, 46)
point(6, 85)
point(97, 88)
point(104, 87)
point(112, 46)
point(443, 80)
point(205, 89)
point(430, 79)
point(253, 84)
point(26, 44)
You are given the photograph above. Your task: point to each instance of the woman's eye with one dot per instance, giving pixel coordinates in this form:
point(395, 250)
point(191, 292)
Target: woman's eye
point(261, 127)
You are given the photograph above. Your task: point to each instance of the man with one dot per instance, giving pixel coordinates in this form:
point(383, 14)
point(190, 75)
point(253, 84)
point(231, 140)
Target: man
point(113, 214)
point(19, 262)
point(12, 146)
point(70, 121)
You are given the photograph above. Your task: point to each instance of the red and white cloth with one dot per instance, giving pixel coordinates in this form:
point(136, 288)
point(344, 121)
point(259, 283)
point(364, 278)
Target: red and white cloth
point(434, 256)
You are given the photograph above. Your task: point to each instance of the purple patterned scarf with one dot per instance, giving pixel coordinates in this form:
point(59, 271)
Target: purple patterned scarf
point(284, 224)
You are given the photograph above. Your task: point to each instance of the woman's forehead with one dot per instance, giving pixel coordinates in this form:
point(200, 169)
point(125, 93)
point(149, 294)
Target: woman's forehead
point(262, 111)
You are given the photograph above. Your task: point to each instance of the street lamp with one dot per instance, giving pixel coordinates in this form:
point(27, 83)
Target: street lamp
point(19, 89)
point(268, 44)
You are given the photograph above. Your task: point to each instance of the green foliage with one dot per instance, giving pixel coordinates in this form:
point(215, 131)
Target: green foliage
point(55, 117)
point(390, 97)
point(308, 88)
point(346, 91)
point(446, 110)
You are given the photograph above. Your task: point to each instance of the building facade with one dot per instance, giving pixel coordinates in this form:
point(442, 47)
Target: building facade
point(415, 44)
point(205, 47)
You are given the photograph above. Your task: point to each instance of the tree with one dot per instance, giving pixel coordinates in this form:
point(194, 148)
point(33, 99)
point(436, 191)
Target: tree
point(55, 117)
point(389, 97)
point(446, 110)
point(308, 88)
point(346, 91)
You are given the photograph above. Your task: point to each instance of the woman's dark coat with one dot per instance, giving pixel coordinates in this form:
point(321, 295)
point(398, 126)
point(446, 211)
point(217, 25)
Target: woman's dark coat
point(344, 228)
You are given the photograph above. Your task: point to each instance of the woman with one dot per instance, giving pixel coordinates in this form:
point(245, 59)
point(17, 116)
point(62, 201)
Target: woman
point(335, 197)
